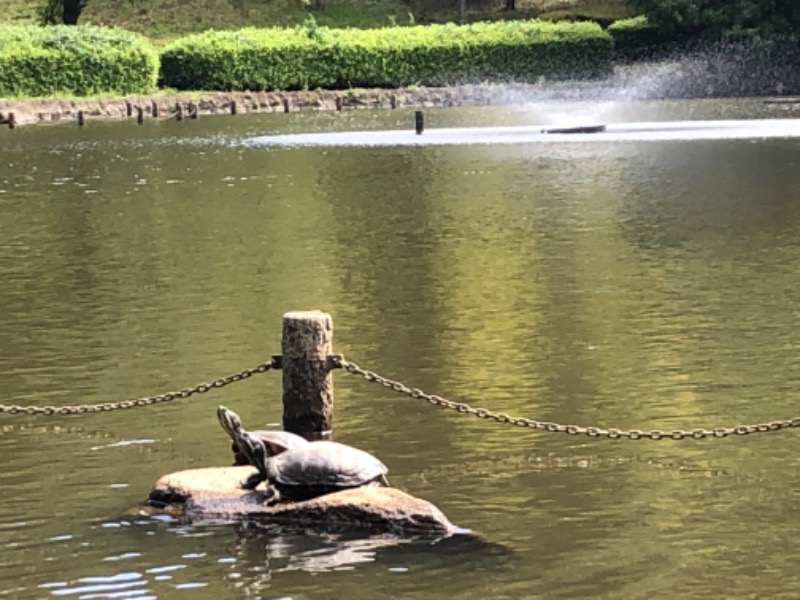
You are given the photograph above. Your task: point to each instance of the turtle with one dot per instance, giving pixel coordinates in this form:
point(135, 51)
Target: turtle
point(274, 441)
point(308, 471)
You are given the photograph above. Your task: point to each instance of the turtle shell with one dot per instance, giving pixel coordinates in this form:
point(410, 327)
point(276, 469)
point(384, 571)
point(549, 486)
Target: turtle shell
point(324, 464)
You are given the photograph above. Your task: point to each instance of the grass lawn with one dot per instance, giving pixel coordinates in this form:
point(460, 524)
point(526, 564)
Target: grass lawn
point(167, 19)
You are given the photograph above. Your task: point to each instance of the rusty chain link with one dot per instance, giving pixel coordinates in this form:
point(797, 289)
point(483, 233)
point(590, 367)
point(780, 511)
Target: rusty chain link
point(594, 432)
point(78, 409)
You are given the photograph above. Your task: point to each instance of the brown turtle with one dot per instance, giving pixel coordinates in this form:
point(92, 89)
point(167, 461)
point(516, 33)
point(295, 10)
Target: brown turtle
point(307, 471)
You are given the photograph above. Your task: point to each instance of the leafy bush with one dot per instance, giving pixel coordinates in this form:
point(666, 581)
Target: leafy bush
point(45, 61)
point(718, 17)
point(317, 57)
point(636, 39)
point(633, 35)
point(627, 26)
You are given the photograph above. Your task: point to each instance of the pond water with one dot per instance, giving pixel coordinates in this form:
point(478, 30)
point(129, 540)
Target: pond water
point(632, 283)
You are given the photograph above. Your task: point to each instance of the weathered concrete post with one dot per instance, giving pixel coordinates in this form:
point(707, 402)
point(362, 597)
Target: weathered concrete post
point(306, 344)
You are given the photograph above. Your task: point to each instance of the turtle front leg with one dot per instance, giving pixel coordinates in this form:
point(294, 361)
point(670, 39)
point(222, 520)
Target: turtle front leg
point(251, 482)
point(272, 496)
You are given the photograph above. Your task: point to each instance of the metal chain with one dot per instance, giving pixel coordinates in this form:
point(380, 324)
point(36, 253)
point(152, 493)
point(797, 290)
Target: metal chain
point(594, 432)
point(78, 409)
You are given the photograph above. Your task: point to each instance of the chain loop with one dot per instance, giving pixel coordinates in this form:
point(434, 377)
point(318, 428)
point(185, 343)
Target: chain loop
point(593, 432)
point(200, 388)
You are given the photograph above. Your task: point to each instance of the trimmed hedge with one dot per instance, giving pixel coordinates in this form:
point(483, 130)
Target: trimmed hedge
point(313, 57)
point(636, 39)
point(634, 32)
point(80, 61)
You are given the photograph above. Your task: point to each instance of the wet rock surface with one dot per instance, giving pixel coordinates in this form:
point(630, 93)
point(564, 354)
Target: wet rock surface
point(214, 493)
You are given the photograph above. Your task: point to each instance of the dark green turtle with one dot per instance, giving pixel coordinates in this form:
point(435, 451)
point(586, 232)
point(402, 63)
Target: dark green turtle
point(308, 471)
point(274, 441)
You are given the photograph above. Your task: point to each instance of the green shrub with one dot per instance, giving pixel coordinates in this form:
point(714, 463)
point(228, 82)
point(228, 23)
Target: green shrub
point(632, 32)
point(317, 57)
point(81, 61)
point(636, 38)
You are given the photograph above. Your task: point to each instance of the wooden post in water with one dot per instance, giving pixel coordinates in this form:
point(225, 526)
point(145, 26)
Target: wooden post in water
point(286, 105)
point(11, 120)
point(154, 109)
point(419, 122)
point(179, 111)
point(306, 345)
point(81, 118)
point(139, 115)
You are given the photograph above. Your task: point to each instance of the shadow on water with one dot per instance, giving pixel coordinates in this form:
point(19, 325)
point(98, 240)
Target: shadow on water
point(295, 548)
point(266, 557)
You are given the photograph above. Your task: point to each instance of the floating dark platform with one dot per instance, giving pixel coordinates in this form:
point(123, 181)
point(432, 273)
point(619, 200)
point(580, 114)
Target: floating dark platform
point(214, 493)
point(582, 129)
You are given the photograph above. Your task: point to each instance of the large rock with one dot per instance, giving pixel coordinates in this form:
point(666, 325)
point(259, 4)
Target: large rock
point(214, 493)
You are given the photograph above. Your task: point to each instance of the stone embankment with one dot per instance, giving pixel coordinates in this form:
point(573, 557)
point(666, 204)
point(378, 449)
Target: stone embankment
point(46, 110)
point(53, 110)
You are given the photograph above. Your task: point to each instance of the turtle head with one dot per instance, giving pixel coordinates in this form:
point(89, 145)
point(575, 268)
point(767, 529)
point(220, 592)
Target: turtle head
point(229, 421)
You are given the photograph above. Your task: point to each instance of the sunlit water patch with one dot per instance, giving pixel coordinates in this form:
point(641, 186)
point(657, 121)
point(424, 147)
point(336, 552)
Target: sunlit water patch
point(618, 132)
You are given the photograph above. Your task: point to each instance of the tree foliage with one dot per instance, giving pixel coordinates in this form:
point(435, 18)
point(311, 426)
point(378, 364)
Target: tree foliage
point(717, 17)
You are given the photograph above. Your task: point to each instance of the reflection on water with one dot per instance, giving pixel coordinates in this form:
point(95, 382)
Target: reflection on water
point(635, 284)
point(261, 553)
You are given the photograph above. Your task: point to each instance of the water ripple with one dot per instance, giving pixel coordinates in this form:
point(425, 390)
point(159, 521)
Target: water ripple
point(119, 585)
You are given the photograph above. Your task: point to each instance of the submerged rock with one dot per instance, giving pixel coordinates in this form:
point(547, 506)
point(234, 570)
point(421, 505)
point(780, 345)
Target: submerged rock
point(214, 493)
